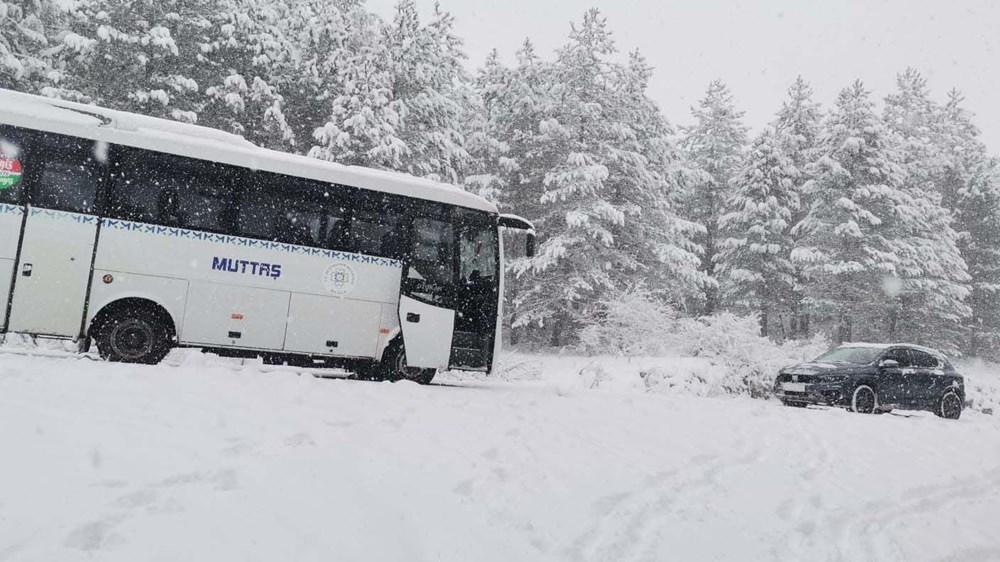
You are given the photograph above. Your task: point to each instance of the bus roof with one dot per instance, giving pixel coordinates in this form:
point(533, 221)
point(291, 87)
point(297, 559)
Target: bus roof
point(193, 141)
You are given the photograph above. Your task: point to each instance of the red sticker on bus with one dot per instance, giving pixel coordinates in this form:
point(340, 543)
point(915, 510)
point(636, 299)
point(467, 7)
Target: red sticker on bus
point(10, 172)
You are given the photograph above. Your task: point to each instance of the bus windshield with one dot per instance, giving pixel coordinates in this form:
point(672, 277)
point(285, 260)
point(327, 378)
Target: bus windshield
point(453, 257)
point(477, 255)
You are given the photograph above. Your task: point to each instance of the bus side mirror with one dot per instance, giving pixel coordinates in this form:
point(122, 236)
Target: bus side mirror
point(515, 222)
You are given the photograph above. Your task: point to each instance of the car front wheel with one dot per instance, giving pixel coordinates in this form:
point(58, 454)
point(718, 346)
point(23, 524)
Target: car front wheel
point(864, 400)
point(950, 406)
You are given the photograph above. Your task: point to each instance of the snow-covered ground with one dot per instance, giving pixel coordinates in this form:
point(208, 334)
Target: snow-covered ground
point(208, 460)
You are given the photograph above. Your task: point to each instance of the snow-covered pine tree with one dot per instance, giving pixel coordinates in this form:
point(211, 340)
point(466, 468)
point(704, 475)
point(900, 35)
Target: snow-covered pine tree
point(401, 106)
point(797, 128)
point(509, 161)
point(490, 169)
point(644, 166)
point(755, 255)
point(576, 258)
point(969, 183)
point(365, 125)
point(930, 306)
point(242, 64)
point(28, 30)
point(317, 32)
point(845, 242)
point(595, 171)
point(137, 55)
point(714, 147)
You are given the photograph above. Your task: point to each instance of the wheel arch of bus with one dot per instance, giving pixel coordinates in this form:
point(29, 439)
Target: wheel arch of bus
point(134, 301)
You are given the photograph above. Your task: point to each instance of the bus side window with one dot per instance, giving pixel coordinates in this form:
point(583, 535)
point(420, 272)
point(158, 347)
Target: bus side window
point(200, 203)
point(135, 195)
point(376, 234)
point(13, 164)
point(337, 201)
point(280, 209)
point(71, 171)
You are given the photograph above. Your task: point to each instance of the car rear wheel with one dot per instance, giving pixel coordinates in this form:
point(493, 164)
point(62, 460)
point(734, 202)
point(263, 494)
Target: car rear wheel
point(864, 400)
point(950, 406)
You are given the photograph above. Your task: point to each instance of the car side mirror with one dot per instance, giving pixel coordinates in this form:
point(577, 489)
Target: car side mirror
point(889, 364)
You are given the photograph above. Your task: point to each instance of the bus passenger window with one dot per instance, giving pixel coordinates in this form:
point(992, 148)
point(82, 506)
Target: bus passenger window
point(66, 187)
point(338, 233)
point(297, 227)
point(70, 173)
point(375, 235)
point(201, 207)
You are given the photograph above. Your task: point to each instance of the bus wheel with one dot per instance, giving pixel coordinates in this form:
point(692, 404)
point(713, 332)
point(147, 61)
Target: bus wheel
point(133, 336)
point(396, 368)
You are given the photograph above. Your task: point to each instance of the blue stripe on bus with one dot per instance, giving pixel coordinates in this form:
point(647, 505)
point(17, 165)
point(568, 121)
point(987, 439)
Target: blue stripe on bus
point(245, 242)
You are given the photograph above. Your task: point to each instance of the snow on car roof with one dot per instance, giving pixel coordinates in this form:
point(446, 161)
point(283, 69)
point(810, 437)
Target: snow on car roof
point(193, 141)
point(888, 345)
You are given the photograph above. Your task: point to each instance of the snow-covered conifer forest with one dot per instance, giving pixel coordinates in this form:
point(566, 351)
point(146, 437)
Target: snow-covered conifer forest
point(872, 216)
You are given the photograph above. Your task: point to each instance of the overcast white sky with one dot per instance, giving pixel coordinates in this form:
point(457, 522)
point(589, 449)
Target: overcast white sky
point(758, 47)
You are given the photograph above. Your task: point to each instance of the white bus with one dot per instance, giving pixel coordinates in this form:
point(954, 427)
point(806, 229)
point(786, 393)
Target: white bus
point(141, 234)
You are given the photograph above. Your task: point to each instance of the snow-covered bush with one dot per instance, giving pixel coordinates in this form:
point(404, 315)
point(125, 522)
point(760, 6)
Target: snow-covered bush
point(628, 324)
point(752, 361)
point(982, 385)
point(634, 323)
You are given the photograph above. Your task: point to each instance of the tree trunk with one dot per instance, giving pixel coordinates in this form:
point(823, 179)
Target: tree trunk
point(844, 330)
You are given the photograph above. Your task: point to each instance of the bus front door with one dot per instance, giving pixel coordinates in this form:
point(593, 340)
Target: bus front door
point(426, 316)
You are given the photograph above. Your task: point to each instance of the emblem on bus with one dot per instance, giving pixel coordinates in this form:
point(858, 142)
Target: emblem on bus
point(339, 279)
point(10, 172)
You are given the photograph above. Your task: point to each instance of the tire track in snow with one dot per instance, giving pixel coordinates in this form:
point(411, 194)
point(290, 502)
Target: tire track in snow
point(866, 536)
point(629, 525)
point(803, 512)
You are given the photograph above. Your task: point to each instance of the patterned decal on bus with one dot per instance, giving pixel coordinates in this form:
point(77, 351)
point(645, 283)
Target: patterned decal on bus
point(6, 209)
point(63, 215)
point(247, 242)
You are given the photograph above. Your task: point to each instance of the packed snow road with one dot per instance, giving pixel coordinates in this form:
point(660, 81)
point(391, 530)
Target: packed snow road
point(203, 461)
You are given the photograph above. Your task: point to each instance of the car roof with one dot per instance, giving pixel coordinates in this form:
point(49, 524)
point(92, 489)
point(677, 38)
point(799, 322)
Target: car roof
point(193, 141)
point(932, 351)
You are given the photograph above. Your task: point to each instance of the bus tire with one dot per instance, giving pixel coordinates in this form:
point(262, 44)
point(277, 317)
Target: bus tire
point(134, 335)
point(394, 366)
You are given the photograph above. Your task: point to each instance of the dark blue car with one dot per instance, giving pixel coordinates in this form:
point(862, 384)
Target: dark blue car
point(875, 378)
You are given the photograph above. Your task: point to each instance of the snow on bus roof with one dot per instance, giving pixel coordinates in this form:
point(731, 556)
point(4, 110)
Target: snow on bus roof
point(193, 141)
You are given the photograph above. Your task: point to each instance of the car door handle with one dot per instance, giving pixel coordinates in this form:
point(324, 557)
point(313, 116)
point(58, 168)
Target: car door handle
point(26, 270)
point(412, 317)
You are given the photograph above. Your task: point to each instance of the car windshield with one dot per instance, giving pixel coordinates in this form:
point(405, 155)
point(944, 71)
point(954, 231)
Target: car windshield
point(856, 355)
